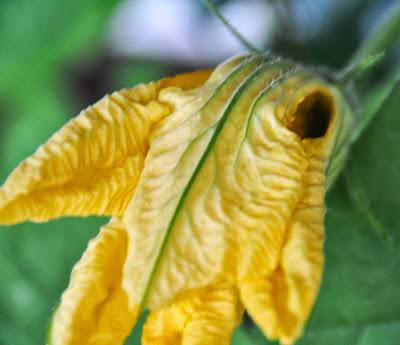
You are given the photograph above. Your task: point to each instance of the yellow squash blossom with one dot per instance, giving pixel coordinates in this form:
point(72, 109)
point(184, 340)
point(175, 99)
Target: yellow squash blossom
point(215, 182)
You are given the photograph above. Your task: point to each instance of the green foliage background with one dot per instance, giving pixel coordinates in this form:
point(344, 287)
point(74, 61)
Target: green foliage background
point(48, 48)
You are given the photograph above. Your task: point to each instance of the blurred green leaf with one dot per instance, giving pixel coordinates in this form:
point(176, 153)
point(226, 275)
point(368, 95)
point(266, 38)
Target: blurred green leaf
point(38, 39)
point(31, 120)
point(242, 337)
point(37, 36)
point(35, 264)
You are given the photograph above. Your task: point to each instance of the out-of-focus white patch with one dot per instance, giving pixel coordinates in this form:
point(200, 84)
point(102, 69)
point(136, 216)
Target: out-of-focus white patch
point(178, 30)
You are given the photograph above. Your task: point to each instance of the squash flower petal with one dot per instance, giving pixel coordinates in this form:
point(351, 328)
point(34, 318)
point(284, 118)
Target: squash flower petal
point(91, 166)
point(94, 308)
point(207, 317)
point(216, 183)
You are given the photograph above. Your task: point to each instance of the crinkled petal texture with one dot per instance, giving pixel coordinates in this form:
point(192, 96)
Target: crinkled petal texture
point(280, 301)
point(94, 309)
point(233, 187)
point(216, 182)
point(206, 317)
point(92, 165)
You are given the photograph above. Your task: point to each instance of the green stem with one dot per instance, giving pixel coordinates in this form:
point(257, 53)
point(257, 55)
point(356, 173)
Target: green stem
point(351, 72)
point(370, 54)
point(373, 49)
point(382, 39)
point(214, 9)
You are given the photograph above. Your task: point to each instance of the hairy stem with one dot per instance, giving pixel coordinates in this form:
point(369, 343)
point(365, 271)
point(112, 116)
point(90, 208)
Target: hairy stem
point(382, 39)
point(214, 9)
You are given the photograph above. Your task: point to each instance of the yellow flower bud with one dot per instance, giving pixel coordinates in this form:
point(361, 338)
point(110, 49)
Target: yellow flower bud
point(215, 181)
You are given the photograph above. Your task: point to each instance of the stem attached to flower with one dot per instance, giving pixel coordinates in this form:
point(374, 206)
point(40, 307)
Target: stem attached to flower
point(374, 47)
point(370, 53)
point(214, 9)
point(382, 39)
point(351, 72)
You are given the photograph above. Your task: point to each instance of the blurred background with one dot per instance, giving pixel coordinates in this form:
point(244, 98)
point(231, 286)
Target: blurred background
point(57, 57)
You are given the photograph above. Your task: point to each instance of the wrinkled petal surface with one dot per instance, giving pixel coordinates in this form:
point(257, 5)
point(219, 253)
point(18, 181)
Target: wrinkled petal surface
point(94, 308)
point(208, 317)
point(92, 165)
point(281, 301)
point(234, 186)
point(217, 182)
